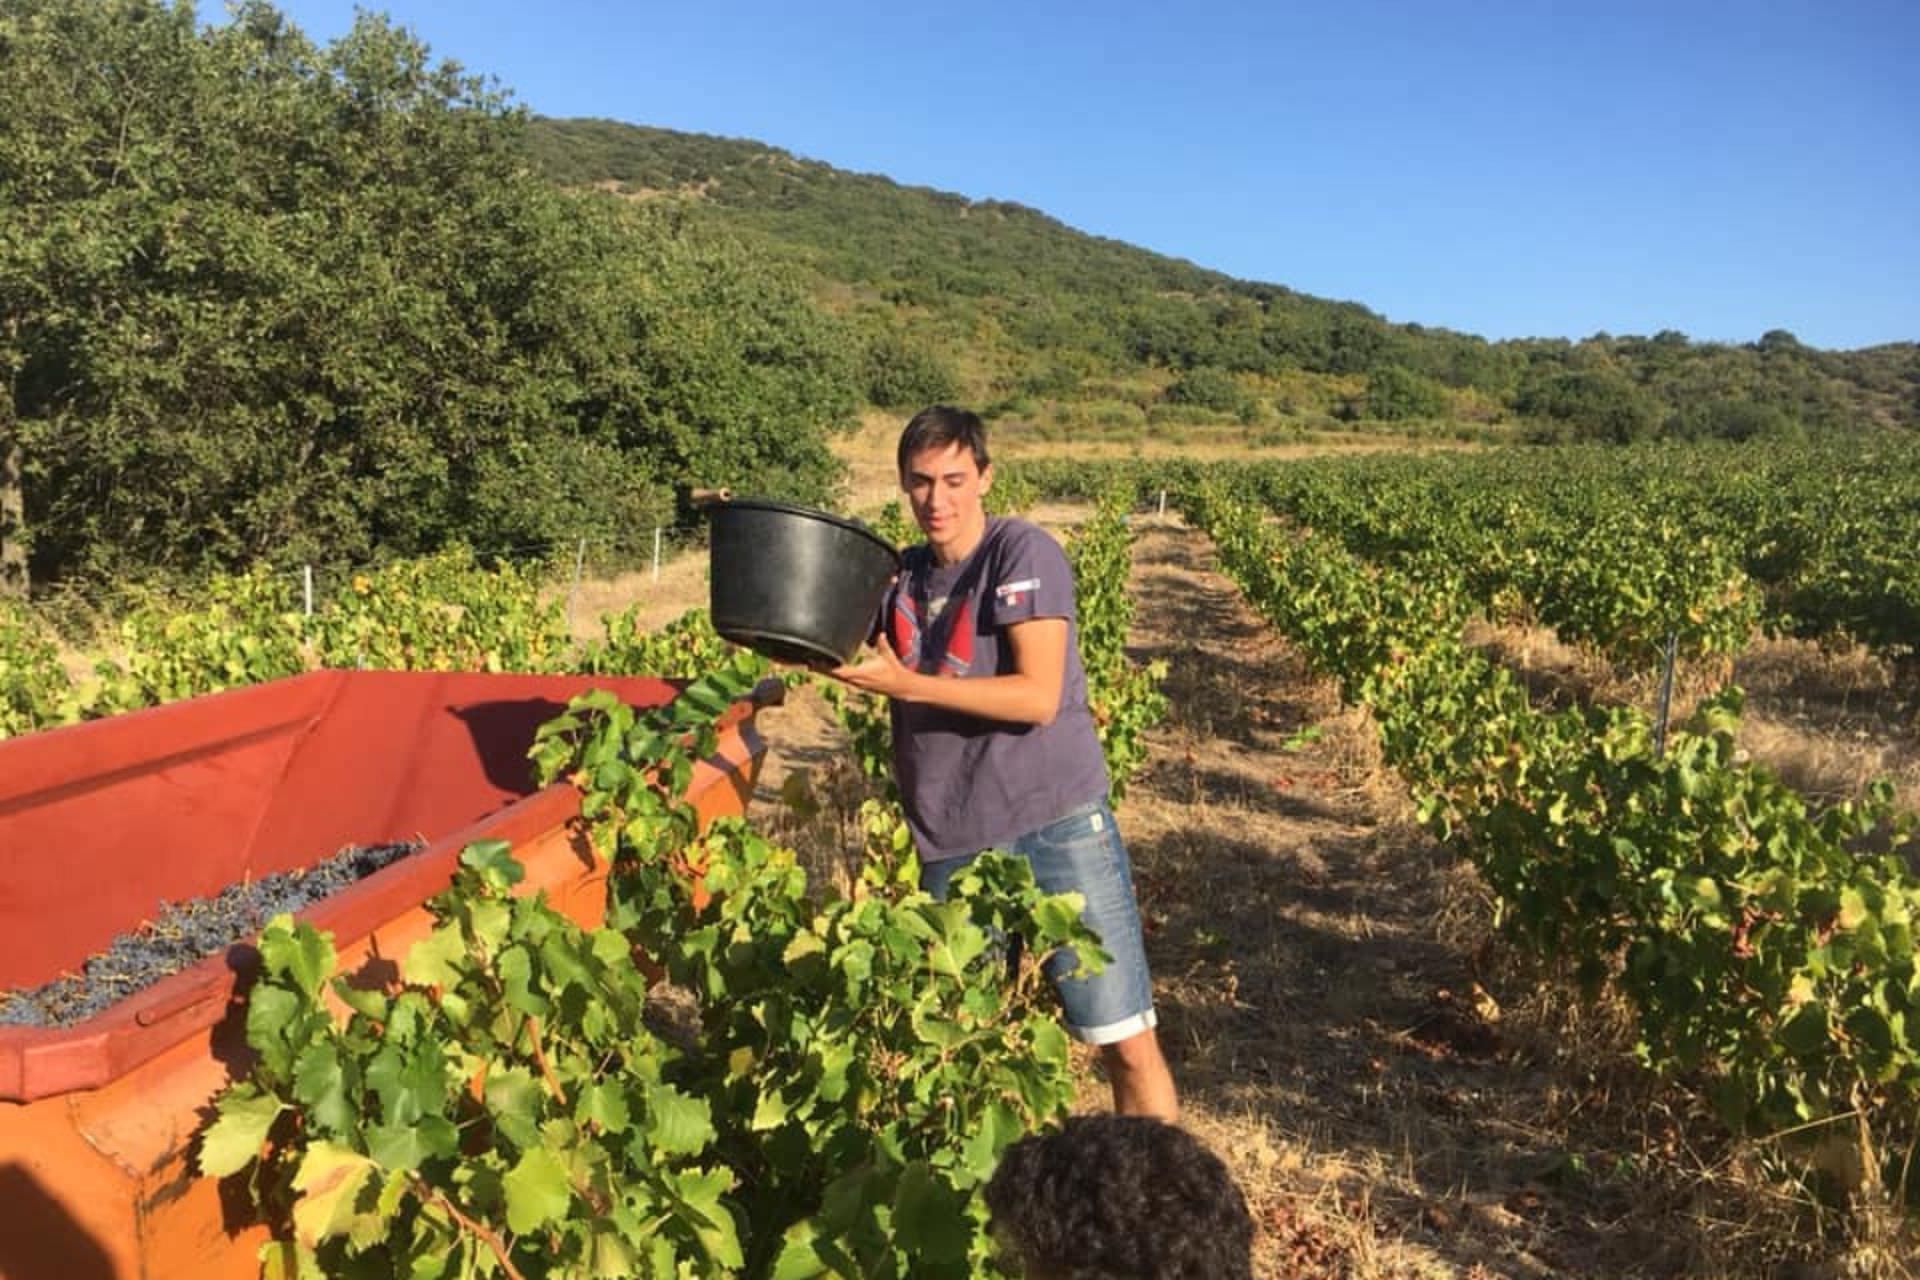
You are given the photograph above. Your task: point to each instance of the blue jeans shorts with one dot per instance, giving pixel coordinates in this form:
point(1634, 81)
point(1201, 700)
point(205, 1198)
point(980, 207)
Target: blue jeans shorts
point(1083, 852)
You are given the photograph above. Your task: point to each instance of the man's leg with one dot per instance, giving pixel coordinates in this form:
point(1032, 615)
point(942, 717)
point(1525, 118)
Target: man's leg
point(1114, 1010)
point(1142, 1084)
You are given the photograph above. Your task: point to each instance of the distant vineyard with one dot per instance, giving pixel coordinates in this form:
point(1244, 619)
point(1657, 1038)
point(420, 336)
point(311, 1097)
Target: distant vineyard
point(1615, 548)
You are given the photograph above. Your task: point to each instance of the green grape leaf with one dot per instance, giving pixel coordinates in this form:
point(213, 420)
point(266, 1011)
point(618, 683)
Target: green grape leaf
point(233, 1140)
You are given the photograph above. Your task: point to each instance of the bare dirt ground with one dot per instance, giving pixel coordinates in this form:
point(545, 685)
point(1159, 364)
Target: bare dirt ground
point(1398, 1098)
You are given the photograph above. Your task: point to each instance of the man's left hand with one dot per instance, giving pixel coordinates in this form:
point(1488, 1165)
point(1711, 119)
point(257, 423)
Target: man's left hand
point(878, 670)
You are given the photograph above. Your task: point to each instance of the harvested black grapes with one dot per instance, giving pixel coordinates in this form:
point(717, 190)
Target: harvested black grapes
point(184, 932)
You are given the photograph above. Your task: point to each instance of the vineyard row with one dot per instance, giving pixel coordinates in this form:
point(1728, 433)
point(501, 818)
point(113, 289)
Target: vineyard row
point(1767, 950)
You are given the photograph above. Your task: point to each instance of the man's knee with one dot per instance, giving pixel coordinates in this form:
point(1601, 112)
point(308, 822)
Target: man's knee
point(1136, 1052)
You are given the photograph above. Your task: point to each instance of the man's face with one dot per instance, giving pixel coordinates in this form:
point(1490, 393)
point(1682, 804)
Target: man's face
point(944, 486)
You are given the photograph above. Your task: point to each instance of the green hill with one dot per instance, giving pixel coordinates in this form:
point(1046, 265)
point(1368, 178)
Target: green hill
point(1014, 310)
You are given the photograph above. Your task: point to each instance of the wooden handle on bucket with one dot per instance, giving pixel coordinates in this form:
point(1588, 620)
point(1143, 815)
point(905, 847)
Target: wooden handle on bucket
point(709, 497)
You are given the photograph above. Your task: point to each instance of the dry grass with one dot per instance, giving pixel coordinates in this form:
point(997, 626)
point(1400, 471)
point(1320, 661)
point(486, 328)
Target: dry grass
point(872, 479)
point(1827, 721)
point(682, 585)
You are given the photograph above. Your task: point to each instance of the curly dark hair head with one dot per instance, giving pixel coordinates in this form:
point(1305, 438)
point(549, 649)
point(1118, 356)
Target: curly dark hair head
point(1112, 1197)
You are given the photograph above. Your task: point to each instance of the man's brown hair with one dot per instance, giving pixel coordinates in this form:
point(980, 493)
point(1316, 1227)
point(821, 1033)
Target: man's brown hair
point(939, 425)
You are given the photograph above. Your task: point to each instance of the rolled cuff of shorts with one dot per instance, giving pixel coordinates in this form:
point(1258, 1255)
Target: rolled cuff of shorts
point(1115, 1032)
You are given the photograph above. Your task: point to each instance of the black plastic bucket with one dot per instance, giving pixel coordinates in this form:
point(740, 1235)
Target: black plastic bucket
point(793, 583)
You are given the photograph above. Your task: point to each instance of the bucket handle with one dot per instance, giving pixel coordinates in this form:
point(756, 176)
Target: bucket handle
point(705, 498)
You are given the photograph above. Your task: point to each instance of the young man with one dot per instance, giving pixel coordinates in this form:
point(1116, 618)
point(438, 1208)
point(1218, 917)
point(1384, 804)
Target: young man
point(993, 742)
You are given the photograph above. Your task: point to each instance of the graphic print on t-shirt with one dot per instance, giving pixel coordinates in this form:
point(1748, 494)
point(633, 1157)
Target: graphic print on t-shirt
point(910, 628)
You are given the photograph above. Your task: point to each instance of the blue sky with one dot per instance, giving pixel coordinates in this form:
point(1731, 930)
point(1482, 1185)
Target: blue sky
point(1503, 168)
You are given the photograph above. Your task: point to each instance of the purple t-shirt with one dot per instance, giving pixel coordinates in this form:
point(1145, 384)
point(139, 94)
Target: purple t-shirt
point(969, 783)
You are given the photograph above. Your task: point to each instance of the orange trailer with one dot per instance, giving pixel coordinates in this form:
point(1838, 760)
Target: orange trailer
point(101, 822)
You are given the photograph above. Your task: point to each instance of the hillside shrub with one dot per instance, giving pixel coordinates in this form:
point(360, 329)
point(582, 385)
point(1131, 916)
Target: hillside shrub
point(900, 372)
point(1206, 387)
point(1395, 394)
point(1730, 420)
point(1591, 404)
point(550, 494)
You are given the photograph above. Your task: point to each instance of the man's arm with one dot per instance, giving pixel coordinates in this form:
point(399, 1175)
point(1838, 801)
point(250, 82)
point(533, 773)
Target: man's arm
point(1029, 694)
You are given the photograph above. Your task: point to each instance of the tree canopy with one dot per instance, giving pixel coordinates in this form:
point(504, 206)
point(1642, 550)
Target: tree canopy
point(263, 298)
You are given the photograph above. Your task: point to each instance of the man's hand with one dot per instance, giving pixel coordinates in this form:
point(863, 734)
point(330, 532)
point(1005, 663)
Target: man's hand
point(877, 670)
point(1029, 694)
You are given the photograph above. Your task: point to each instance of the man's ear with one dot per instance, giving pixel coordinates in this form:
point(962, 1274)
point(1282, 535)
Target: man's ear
point(986, 478)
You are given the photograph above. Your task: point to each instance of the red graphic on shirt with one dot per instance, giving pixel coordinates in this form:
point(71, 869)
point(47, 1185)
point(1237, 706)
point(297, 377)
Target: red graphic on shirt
point(907, 627)
point(903, 628)
point(959, 654)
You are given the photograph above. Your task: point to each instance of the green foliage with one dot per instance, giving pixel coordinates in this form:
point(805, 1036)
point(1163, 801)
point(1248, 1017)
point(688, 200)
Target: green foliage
point(859, 1039)
point(438, 613)
point(735, 379)
point(1592, 404)
point(244, 629)
point(899, 372)
point(1125, 696)
point(858, 1066)
point(315, 300)
point(557, 491)
point(1011, 493)
point(1207, 388)
point(1766, 957)
point(1393, 393)
point(502, 1105)
point(685, 647)
point(1617, 547)
point(1730, 420)
point(31, 678)
point(891, 523)
point(445, 612)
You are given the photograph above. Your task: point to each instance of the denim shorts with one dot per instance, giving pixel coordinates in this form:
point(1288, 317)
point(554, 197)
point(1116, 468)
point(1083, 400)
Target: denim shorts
point(1082, 852)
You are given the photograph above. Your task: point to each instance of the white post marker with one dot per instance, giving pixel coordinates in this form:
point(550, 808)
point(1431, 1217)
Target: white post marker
point(579, 562)
point(656, 553)
point(306, 574)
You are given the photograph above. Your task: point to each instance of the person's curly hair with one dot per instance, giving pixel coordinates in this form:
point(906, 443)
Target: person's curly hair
point(1113, 1197)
